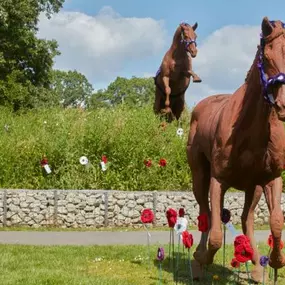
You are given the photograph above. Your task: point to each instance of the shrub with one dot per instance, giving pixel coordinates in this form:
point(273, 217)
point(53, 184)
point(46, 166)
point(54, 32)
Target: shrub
point(126, 136)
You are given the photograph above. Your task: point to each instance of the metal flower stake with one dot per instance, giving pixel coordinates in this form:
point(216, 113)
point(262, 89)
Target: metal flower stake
point(226, 216)
point(263, 262)
point(171, 216)
point(160, 258)
point(147, 217)
point(236, 264)
point(180, 227)
point(187, 240)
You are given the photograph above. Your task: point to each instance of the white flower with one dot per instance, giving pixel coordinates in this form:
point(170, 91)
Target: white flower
point(181, 225)
point(83, 160)
point(179, 132)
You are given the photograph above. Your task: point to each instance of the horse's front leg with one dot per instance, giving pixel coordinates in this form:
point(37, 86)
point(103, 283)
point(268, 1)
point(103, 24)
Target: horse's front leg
point(216, 235)
point(196, 78)
point(273, 192)
point(252, 197)
point(167, 89)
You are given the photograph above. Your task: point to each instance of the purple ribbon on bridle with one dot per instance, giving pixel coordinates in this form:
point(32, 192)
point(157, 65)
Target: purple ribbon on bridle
point(187, 42)
point(272, 80)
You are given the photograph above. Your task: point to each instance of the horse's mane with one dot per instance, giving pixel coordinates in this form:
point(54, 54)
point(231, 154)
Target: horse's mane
point(254, 65)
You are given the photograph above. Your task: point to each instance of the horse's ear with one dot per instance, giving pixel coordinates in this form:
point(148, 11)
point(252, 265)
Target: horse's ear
point(195, 26)
point(266, 27)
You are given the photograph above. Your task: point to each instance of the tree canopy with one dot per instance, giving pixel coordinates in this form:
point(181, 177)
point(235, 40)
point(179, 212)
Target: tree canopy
point(133, 92)
point(25, 60)
point(71, 88)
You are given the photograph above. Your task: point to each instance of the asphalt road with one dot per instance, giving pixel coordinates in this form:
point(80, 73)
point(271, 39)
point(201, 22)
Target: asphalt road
point(102, 238)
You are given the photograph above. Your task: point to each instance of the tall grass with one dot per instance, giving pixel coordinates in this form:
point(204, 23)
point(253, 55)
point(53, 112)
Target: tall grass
point(126, 136)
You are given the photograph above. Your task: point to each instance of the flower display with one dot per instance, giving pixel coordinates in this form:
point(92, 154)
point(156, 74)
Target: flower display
point(160, 254)
point(235, 263)
point(83, 160)
point(147, 216)
point(162, 162)
point(226, 216)
point(147, 163)
point(171, 216)
point(203, 222)
point(187, 239)
point(270, 242)
point(180, 132)
point(243, 252)
point(104, 159)
point(181, 212)
point(240, 239)
point(180, 225)
point(264, 260)
point(44, 161)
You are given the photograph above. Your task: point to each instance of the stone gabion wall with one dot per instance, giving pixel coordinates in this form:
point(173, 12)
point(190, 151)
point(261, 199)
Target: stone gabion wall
point(101, 208)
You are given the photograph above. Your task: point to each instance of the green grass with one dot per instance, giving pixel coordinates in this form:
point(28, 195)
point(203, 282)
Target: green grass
point(104, 265)
point(111, 229)
point(126, 136)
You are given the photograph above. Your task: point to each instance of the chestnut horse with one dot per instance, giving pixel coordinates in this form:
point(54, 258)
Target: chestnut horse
point(173, 77)
point(238, 141)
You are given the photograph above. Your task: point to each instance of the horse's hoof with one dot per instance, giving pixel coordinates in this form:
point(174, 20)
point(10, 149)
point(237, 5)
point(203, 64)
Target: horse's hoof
point(197, 80)
point(196, 270)
point(276, 261)
point(204, 258)
point(257, 274)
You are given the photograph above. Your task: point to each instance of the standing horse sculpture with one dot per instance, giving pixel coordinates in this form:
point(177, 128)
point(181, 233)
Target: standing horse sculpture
point(239, 141)
point(173, 77)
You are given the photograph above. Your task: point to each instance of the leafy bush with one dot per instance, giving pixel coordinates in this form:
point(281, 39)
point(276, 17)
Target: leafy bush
point(126, 136)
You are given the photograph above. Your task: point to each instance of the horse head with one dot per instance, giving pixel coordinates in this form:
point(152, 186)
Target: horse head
point(272, 64)
point(188, 37)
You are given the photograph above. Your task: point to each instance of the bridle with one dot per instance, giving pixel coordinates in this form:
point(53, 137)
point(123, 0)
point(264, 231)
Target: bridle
point(185, 41)
point(272, 80)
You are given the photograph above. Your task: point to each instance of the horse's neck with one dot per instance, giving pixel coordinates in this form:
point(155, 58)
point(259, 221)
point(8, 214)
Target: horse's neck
point(254, 114)
point(176, 47)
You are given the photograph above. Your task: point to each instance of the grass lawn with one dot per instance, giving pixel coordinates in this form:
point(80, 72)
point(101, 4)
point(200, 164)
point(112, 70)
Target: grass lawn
point(103, 265)
point(113, 229)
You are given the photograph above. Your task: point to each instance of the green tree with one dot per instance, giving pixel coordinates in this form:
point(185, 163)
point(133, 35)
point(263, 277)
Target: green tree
point(134, 92)
point(71, 88)
point(25, 60)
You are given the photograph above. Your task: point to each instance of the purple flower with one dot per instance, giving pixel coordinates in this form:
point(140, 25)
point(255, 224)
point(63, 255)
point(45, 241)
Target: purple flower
point(264, 260)
point(226, 216)
point(160, 254)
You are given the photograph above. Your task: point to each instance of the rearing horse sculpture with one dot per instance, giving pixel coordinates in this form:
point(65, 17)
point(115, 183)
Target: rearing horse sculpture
point(173, 76)
point(239, 141)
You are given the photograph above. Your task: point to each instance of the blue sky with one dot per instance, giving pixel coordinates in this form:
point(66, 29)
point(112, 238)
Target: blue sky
point(226, 27)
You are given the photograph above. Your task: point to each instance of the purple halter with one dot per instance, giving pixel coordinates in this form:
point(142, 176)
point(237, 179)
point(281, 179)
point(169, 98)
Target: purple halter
point(275, 79)
point(187, 42)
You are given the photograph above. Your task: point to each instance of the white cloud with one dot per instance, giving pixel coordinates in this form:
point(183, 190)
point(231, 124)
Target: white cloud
point(223, 60)
point(99, 46)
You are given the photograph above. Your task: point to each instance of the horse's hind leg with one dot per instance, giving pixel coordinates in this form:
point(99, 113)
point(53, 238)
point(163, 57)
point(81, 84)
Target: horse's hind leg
point(200, 169)
point(252, 197)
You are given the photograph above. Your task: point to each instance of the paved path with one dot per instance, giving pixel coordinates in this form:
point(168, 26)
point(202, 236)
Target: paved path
point(101, 238)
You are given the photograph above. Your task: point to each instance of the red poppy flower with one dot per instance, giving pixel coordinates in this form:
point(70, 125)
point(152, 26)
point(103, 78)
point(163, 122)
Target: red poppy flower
point(181, 212)
point(235, 263)
point(187, 239)
point(147, 216)
point(162, 162)
point(243, 252)
point(104, 159)
point(203, 222)
point(171, 216)
point(44, 161)
point(270, 242)
point(147, 163)
point(240, 239)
